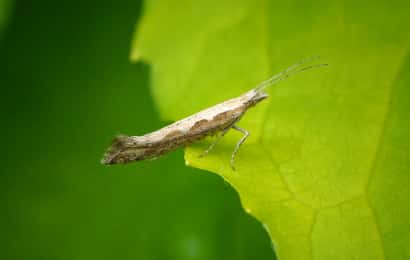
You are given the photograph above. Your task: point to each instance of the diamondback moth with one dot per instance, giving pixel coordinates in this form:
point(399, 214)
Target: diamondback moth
point(216, 120)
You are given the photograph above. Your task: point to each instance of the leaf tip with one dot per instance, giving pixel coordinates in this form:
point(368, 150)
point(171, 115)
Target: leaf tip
point(186, 160)
point(135, 55)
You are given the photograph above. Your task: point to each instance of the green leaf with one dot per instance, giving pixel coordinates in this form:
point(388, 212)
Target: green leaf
point(327, 166)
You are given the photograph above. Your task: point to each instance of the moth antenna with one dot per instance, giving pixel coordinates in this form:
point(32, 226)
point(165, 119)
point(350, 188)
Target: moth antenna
point(288, 72)
point(283, 77)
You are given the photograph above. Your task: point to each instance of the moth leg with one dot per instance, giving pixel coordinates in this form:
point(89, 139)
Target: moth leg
point(238, 145)
point(218, 138)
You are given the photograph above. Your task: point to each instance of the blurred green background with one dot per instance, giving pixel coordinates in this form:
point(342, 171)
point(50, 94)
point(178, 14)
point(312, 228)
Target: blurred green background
point(67, 88)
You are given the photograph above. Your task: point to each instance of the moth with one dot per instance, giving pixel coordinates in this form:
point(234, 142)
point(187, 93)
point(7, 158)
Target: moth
point(216, 120)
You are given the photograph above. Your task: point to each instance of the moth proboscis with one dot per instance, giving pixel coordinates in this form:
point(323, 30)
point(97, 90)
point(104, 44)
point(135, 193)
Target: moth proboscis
point(218, 119)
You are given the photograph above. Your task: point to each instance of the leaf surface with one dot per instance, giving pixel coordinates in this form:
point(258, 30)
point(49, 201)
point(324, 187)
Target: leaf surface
point(327, 166)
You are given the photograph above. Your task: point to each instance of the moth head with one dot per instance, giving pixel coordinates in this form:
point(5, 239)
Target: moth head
point(260, 95)
point(256, 96)
point(124, 149)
